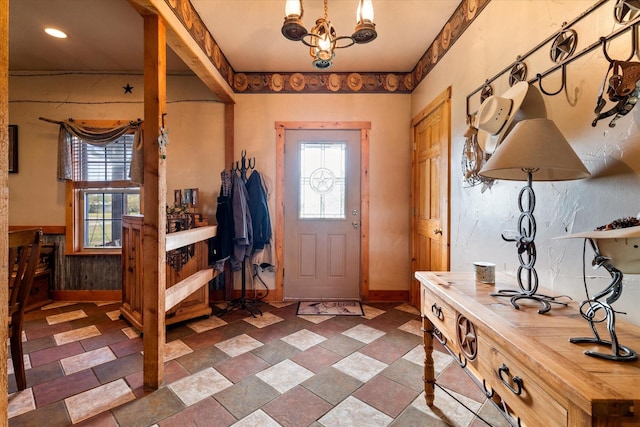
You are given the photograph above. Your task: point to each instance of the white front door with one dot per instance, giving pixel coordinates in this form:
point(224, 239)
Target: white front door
point(322, 214)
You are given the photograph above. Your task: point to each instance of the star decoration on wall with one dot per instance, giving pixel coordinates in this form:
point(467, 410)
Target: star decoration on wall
point(128, 88)
point(486, 92)
point(626, 10)
point(564, 45)
point(518, 73)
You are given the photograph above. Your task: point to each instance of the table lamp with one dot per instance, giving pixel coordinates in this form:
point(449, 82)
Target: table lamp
point(534, 150)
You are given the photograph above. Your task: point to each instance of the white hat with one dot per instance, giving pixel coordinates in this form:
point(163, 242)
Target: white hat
point(496, 114)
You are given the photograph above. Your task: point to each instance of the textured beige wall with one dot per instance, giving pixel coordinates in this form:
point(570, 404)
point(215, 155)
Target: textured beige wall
point(504, 30)
point(194, 121)
point(390, 161)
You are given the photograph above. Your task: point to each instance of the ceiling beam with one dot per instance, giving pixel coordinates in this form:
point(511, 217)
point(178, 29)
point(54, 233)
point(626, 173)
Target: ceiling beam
point(182, 43)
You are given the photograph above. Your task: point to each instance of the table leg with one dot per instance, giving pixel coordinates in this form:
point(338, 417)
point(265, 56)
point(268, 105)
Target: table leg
point(429, 372)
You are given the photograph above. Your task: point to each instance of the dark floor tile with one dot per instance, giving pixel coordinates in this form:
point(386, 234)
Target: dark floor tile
point(173, 371)
point(50, 415)
point(202, 358)
point(118, 368)
point(332, 385)
point(297, 407)
point(342, 345)
point(454, 378)
point(205, 339)
point(126, 347)
point(328, 328)
point(406, 373)
point(206, 413)
point(384, 324)
point(399, 315)
point(402, 338)
point(316, 358)
point(38, 344)
point(104, 339)
point(386, 395)
point(270, 333)
point(149, 409)
point(242, 366)
point(111, 325)
point(412, 417)
point(243, 398)
point(384, 351)
point(46, 330)
point(105, 419)
point(61, 388)
point(51, 354)
point(178, 331)
point(275, 352)
point(44, 373)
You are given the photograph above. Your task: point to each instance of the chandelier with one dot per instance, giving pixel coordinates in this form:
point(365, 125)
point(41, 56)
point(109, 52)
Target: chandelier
point(322, 39)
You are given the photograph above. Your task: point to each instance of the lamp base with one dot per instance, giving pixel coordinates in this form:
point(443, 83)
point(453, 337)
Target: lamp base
point(621, 353)
point(515, 295)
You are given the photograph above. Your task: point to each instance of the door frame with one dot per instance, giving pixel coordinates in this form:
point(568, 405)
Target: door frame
point(443, 99)
point(364, 128)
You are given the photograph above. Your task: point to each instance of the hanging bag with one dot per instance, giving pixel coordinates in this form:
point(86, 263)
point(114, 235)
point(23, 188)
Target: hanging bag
point(622, 88)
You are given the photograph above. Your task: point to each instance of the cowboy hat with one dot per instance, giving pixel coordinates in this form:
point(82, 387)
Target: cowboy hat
point(496, 114)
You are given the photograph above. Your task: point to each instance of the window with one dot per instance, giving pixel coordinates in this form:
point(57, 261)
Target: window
point(101, 193)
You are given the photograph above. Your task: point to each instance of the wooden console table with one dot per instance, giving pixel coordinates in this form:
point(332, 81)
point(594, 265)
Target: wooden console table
point(524, 360)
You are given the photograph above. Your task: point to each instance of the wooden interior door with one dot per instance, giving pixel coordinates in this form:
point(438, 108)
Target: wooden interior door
point(430, 189)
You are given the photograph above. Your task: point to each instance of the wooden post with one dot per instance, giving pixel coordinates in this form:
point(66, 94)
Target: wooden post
point(4, 202)
point(154, 201)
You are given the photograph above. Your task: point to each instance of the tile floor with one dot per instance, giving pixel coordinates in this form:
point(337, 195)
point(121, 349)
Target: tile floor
point(84, 368)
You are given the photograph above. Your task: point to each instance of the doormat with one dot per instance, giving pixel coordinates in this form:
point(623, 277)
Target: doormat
point(330, 308)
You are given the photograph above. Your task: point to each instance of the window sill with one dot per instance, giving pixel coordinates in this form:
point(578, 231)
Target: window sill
point(96, 252)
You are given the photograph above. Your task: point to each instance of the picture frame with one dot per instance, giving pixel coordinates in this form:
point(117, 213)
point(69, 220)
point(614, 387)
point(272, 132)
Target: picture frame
point(177, 197)
point(13, 149)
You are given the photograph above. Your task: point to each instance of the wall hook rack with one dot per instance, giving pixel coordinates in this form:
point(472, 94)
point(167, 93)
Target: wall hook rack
point(562, 86)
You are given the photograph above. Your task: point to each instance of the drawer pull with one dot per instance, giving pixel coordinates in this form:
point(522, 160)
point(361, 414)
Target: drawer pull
point(487, 393)
point(441, 338)
point(516, 380)
point(437, 311)
point(462, 361)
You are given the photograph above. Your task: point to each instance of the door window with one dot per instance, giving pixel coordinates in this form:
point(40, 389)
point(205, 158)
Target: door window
point(322, 185)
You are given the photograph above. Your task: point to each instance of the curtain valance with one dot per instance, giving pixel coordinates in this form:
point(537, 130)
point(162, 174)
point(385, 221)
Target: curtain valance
point(98, 136)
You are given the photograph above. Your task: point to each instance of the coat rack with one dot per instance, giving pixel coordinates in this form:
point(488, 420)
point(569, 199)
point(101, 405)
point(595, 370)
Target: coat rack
point(563, 62)
point(244, 303)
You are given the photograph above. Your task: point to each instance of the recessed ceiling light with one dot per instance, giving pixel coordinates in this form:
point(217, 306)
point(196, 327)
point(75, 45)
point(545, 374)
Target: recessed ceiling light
point(55, 33)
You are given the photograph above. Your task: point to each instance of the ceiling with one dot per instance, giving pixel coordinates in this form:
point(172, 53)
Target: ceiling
point(107, 35)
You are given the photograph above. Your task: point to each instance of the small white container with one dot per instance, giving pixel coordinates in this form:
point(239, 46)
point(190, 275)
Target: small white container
point(485, 272)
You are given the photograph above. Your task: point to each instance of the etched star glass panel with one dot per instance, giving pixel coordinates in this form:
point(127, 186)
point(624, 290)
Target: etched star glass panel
point(322, 180)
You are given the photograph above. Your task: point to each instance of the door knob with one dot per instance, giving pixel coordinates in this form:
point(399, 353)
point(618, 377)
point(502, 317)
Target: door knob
point(437, 231)
point(355, 224)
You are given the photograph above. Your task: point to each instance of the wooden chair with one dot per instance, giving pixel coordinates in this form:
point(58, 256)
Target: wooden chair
point(24, 256)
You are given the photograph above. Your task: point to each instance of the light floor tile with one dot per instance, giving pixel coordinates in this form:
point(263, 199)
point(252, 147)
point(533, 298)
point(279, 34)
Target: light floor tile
point(363, 333)
point(100, 399)
point(113, 315)
point(413, 327)
point(175, 349)
point(303, 339)
point(238, 345)
point(371, 312)
point(354, 412)
point(130, 332)
point(21, 402)
point(457, 414)
point(76, 335)
point(257, 419)
point(285, 375)
point(201, 385)
point(27, 364)
point(440, 360)
point(211, 322)
point(315, 319)
point(408, 308)
point(277, 304)
point(66, 317)
point(89, 359)
point(103, 303)
point(360, 366)
point(265, 320)
point(57, 305)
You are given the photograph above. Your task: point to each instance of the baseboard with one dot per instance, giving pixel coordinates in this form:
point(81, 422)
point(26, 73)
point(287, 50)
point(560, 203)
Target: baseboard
point(387, 296)
point(113, 295)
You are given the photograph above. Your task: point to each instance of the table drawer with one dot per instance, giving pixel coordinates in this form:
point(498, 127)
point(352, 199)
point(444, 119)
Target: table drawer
point(512, 381)
point(441, 314)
